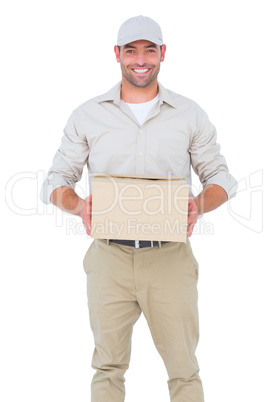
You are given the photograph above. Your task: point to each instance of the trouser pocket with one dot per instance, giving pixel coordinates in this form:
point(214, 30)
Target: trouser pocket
point(192, 258)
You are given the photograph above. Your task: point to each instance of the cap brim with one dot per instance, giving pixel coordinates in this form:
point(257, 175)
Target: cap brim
point(134, 38)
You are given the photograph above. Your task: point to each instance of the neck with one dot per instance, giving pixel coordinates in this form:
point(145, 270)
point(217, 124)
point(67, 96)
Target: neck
point(132, 94)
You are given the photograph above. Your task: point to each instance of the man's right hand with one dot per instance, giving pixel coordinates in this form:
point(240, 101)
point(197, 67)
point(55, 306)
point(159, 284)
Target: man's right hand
point(86, 214)
point(67, 200)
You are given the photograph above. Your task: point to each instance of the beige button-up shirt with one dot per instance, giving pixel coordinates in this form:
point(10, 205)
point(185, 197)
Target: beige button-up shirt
point(104, 134)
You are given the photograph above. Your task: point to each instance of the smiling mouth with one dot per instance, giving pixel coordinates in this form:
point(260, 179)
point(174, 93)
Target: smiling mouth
point(141, 70)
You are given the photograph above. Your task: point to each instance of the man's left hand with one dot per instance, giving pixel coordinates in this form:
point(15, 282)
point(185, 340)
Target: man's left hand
point(192, 216)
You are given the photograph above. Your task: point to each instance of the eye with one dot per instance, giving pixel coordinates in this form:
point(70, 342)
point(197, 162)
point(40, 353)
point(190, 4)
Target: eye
point(130, 51)
point(151, 50)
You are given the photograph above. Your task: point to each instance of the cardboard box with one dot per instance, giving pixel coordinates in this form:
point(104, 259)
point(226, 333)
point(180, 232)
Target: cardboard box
point(139, 207)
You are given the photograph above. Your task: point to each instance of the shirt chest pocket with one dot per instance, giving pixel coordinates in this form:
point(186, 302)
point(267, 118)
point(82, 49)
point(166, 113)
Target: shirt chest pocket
point(172, 153)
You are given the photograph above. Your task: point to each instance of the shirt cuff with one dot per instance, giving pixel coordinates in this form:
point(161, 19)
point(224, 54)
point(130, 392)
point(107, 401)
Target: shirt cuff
point(226, 181)
point(52, 182)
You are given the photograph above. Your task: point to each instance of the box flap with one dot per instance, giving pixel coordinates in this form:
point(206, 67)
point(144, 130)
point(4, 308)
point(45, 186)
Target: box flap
point(140, 176)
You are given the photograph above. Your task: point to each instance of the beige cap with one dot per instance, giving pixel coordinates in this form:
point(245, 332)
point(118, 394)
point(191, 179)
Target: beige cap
point(138, 28)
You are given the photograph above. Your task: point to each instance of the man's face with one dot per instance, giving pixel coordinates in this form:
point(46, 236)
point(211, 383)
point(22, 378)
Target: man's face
point(140, 62)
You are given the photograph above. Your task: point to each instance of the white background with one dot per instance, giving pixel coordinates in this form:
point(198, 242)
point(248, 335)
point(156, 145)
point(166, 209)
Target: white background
point(56, 55)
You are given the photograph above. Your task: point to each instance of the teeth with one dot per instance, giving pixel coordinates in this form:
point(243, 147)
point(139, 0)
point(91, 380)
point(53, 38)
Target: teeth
point(141, 71)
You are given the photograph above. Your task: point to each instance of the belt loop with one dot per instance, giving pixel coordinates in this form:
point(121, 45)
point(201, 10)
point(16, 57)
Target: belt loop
point(108, 242)
point(159, 244)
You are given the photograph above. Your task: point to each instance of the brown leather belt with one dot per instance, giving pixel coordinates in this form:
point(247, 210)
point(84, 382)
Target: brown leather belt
point(137, 243)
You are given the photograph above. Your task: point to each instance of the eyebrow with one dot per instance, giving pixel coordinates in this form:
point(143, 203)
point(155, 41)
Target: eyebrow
point(152, 45)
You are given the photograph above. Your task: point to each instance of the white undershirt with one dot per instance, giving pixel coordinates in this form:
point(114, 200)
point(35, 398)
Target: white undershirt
point(141, 110)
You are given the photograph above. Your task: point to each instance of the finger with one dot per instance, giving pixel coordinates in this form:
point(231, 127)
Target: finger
point(190, 229)
point(192, 208)
point(192, 219)
point(88, 228)
point(87, 207)
point(90, 210)
point(192, 216)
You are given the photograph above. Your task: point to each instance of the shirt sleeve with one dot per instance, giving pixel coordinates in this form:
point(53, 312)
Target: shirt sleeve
point(69, 160)
point(206, 159)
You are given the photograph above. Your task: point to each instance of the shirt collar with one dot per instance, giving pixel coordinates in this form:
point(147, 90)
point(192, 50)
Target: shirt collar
point(114, 95)
point(165, 96)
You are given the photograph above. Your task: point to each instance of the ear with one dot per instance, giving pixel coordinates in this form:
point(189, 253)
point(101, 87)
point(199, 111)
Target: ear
point(164, 48)
point(117, 54)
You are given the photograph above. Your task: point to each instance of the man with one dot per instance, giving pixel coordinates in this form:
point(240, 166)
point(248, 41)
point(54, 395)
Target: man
point(141, 127)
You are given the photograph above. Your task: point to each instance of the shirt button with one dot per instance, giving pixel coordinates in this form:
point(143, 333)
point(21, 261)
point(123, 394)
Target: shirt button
point(140, 131)
point(140, 153)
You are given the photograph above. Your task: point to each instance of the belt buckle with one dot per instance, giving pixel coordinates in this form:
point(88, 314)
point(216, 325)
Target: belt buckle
point(137, 244)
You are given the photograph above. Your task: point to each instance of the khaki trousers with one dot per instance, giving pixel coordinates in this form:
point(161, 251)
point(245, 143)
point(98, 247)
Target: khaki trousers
point(161, 282)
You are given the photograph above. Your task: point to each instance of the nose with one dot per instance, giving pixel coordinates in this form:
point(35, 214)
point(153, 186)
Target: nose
point(140, 60)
